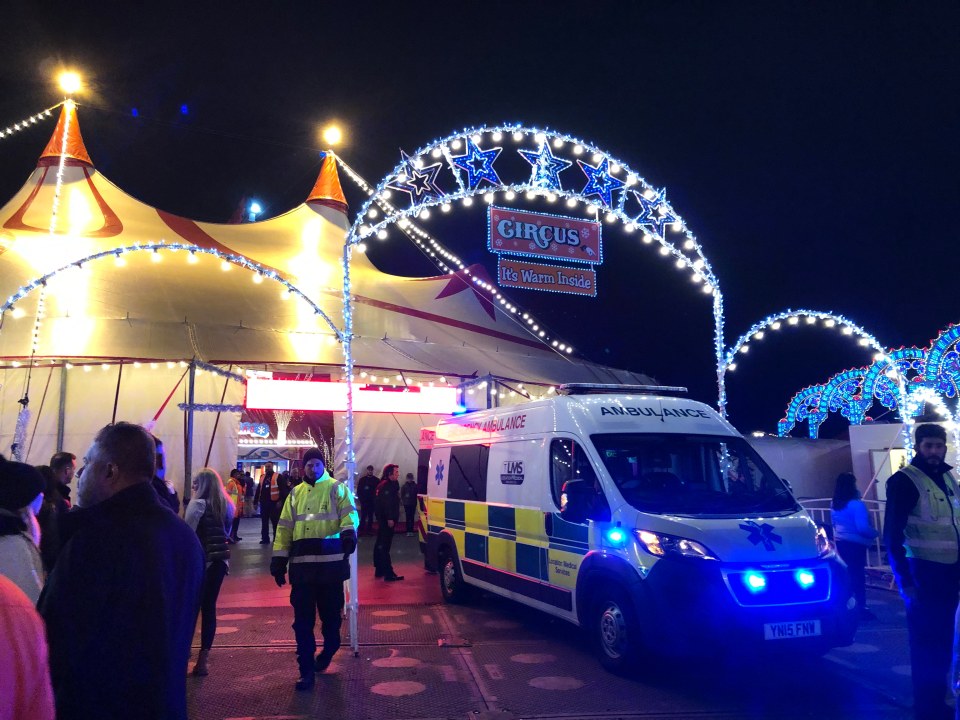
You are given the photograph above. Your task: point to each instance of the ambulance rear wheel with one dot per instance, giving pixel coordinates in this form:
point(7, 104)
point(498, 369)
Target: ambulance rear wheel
point(452, 586)
point(615, 632)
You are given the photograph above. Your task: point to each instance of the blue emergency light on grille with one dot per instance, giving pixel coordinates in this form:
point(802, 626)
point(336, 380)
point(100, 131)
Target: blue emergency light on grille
point(787, 586)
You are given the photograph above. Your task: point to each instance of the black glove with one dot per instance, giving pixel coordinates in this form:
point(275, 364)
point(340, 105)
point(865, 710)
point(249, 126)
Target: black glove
point(278, 568)
point(348, 539)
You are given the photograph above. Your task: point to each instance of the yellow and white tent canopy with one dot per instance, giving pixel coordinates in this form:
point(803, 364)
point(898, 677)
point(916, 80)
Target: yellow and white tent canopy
point(156, 307)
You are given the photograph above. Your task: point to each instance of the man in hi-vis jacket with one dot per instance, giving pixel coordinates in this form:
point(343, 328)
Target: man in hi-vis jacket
point(316, 534)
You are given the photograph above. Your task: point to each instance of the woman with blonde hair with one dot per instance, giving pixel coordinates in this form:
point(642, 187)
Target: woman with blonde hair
point(210, 513)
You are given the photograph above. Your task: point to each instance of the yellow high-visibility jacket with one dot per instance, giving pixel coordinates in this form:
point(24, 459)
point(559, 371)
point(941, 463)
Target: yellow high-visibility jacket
point(933, 526)
point(312, 525)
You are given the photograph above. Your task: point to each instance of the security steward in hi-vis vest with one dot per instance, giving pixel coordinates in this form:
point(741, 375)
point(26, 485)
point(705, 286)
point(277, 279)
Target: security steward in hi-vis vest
point(922, 535)
point(316, 534)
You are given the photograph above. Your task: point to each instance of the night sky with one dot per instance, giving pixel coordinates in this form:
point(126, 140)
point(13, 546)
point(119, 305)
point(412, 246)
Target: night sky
point(811, 147)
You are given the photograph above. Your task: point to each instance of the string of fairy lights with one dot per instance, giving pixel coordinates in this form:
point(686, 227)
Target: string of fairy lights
point(446, 260)
point(27, 123)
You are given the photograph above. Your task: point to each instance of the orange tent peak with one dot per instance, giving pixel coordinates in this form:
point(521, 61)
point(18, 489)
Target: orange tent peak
point(327, 190)
point(75, 149)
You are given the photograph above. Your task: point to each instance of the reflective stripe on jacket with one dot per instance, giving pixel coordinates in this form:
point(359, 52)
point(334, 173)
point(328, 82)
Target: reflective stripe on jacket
point(311, 522)
point(933, 526)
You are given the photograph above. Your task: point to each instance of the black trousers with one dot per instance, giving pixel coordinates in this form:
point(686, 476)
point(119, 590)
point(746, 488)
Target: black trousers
point(235, 528)
point(269, 514)
point(930, 622)
point(381, 550)
point(854, 554)
point(308, 599)
point(411, 512)
point(366, 517)
point(209, 592)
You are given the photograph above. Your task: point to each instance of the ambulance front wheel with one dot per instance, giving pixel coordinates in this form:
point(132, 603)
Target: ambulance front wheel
point(615, 632)
point(452, 586)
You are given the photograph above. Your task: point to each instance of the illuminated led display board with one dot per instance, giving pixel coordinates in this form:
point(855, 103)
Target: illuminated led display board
point(265, 394)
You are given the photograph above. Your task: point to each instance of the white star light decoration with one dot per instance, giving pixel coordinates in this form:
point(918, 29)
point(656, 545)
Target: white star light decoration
point(418, 183)
point(546, 167)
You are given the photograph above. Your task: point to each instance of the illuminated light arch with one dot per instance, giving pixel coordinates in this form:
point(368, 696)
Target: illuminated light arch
point(903, 367)
point(942, 372)
point(804, 406)
point(118, 252)
point(794, 318)
point(844, 393)
point(917, 399)
point(607, 187)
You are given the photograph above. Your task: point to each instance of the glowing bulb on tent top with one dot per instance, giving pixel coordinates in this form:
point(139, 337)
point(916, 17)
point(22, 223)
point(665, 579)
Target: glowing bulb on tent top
point(70, 82)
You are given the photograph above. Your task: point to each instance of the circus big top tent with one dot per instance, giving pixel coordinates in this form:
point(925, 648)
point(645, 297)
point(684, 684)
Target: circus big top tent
point(96, 328)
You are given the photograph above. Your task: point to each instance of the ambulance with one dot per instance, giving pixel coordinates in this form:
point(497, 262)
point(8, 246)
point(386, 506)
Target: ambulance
point(637, 514)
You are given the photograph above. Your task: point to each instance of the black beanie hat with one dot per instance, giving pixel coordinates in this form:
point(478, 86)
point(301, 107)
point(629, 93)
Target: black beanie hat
point(313, 454)
point(19, 484)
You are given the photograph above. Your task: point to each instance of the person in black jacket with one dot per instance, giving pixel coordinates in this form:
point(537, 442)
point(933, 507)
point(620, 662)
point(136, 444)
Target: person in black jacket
point(210, 514)
point(388, 514)
point(367, 497)
point(121, 603)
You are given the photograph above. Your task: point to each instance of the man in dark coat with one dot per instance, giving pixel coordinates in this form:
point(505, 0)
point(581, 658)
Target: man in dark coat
point(366, 495)
point(121, 603)
point(388, 514)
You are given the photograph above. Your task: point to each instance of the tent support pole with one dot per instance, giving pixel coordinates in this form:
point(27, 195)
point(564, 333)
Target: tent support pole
point(116, 394)
point(188, 445)
point(216, 422)
point(62, 411)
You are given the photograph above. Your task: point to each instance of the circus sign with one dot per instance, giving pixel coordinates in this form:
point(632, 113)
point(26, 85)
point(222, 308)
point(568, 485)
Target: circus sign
point(517, 232)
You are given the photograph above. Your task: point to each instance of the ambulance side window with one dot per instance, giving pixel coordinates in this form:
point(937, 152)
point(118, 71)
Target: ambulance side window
point(467, 478)
point(423, 471)
point(568, 461)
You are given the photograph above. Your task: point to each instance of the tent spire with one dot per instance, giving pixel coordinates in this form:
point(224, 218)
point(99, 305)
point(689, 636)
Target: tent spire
point(327, 190)
point(75, 149)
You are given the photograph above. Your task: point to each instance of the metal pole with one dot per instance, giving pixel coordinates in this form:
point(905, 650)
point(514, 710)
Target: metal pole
point(188, 445)
point(62, 412)
point(353, 605)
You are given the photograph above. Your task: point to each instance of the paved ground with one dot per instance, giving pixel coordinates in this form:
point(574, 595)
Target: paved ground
point(420, 658)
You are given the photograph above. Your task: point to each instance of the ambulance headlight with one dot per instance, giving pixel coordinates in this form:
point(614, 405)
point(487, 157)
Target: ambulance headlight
point(825, 548)
point(672, 546)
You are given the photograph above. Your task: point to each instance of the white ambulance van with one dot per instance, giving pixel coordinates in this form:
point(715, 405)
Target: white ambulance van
point(645, 518)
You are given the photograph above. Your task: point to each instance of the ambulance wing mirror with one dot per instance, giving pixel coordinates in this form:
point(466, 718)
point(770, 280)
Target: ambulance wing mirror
point(580, 501)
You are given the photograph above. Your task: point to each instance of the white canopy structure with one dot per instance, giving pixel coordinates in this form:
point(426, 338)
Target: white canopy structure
point(81, 292)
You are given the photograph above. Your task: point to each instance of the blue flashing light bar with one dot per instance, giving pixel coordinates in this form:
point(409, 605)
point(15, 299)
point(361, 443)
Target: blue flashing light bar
point(805, 578)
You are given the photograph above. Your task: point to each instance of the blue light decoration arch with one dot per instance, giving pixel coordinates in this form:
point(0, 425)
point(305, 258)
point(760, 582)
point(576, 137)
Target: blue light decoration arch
point(942, 373)
point(803, 407)
point(905, 380)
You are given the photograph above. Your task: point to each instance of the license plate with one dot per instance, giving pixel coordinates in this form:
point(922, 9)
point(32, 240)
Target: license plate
point(791, 630)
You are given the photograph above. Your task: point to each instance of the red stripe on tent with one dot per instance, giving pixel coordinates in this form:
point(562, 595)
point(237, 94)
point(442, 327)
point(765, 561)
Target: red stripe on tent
point(111, 223)
point(441, 320)
point(191, 232)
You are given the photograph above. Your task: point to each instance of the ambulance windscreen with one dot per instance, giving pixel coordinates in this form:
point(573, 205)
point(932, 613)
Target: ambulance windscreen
point(692, 475)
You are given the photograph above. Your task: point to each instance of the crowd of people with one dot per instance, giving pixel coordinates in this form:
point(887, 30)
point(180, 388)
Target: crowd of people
point(101, 589)
point(100, 593)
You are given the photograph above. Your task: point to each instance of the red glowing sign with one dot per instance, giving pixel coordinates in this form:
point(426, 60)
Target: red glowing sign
point(264, 394)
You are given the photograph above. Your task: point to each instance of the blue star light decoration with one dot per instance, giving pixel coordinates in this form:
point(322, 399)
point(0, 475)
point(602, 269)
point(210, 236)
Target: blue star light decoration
point(599, 180)
point(418, 183)
point(546, 167)
point(478, 164)
point(655, 213)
